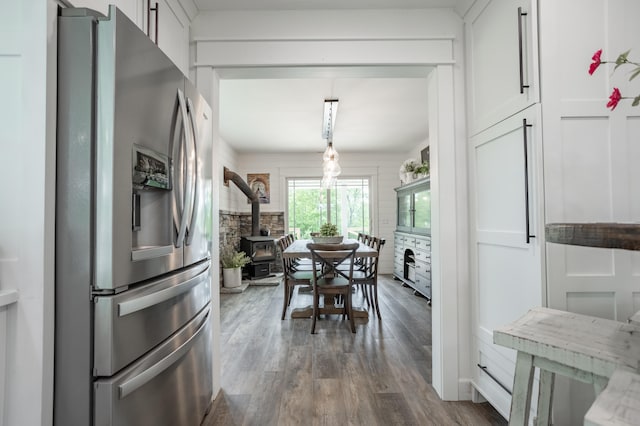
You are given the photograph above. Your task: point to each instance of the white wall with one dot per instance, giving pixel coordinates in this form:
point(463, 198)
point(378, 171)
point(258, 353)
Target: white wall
point(591, 157)
point(28, 146)
point(272, 38)
point(26, 229)
point(324, 37)
point(415, 24)
point(375, 37)
point(382, 169)
point(230, 196)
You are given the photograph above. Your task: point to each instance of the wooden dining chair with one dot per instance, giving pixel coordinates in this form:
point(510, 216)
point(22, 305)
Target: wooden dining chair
point(367, 278)
point(359, 261)
point(330, 280)
point(297, 264)
point(291, 276)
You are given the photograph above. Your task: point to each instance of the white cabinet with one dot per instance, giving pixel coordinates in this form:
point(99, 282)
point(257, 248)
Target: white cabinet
point(505, 182)
point(412, 261)
point(502, 60)
point(507, 260)
point(398, 255)
point(589, 163)
point(412, 241)
point(172, 24)
point(414, 207)
point(173, 31)
point(134, 9)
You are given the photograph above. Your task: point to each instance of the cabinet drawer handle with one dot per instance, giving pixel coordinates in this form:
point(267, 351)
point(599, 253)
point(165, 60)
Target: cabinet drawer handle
point(526, 182)
point(149, 10)
point(486, 371)
point(521, 49)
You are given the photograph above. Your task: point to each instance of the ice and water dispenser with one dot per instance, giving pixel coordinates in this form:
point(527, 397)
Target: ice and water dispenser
point(152, 216)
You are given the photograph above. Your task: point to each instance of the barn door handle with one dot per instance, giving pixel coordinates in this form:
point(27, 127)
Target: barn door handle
point(526, 181)
point(521, 49)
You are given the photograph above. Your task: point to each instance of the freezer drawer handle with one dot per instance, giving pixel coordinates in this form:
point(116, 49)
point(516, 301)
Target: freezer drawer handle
point(143, 302)
point(156, 369)
point(151, 253)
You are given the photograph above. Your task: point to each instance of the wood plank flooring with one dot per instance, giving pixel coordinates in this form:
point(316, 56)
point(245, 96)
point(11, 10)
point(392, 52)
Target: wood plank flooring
point(275, 372)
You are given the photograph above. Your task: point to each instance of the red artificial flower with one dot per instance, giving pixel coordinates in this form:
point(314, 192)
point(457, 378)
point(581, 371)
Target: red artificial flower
point(596, 62)
point(614, 99)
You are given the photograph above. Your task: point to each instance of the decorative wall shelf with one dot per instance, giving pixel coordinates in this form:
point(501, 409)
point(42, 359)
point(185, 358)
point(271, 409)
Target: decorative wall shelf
point(606, 235)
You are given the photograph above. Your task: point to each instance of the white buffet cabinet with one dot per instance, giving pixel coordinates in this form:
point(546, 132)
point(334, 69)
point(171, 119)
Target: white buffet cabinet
point(412, 240)
point(412, 261)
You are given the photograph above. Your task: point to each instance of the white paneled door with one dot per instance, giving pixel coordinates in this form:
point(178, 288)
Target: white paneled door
point(508, 233)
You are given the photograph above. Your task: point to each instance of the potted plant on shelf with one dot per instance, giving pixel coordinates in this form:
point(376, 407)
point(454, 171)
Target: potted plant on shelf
point(411, 170)
point(407, 170)
point(328, 235)
point(232, 263)
point(422, 170)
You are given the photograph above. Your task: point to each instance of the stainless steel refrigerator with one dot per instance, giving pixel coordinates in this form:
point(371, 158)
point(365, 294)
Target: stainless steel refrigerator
point(133, 341)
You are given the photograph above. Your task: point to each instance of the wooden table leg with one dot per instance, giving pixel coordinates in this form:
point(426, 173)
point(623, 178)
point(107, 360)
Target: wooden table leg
point(306, 312)
point(545, 397)
point(522, 383)
point(599, 383)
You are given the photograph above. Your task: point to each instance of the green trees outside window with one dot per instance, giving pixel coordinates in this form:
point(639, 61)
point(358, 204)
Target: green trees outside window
point(346, 204)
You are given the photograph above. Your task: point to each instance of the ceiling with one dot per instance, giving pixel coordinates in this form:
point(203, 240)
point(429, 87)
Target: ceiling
point(380, 109)
point(276, 110)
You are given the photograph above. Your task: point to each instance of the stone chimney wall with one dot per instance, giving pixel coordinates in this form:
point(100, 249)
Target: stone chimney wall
point(234, 225)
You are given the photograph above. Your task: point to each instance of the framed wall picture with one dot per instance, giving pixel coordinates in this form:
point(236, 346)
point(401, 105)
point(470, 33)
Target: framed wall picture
point(424, 155)
point(259, 184)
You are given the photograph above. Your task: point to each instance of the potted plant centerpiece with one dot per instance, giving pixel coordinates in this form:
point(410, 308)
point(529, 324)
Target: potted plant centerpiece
point(232, 263)
point(328, 235)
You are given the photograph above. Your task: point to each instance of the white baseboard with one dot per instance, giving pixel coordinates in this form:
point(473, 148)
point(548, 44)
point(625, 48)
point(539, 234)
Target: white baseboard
point(465, 390)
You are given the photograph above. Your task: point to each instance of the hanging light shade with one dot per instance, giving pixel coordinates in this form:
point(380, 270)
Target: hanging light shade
point(330, 154)
point(330, 166)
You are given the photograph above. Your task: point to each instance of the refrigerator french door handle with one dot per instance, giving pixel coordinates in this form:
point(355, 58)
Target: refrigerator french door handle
point(183, 198)
point(196, 193)
point(143, 302)
point(177, 179)
point(156, 369)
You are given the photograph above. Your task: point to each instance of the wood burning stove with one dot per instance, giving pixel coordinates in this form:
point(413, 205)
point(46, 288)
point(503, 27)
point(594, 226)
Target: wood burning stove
point(262, 251)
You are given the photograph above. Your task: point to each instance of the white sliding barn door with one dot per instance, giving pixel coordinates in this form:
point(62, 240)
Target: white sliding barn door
point(591, 161)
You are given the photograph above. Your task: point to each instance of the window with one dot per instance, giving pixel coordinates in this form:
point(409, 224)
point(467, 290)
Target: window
point(346, 204)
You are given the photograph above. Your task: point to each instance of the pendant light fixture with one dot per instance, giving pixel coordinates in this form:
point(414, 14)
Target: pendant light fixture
point(330, 166)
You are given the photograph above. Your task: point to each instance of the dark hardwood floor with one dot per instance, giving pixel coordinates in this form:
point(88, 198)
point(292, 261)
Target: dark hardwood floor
point(275, 372)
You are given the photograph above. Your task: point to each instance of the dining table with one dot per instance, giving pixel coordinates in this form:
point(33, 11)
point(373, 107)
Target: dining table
point(298, 249)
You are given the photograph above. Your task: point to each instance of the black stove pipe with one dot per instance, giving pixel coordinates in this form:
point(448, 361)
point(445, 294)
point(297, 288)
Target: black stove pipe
point(255, 201)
